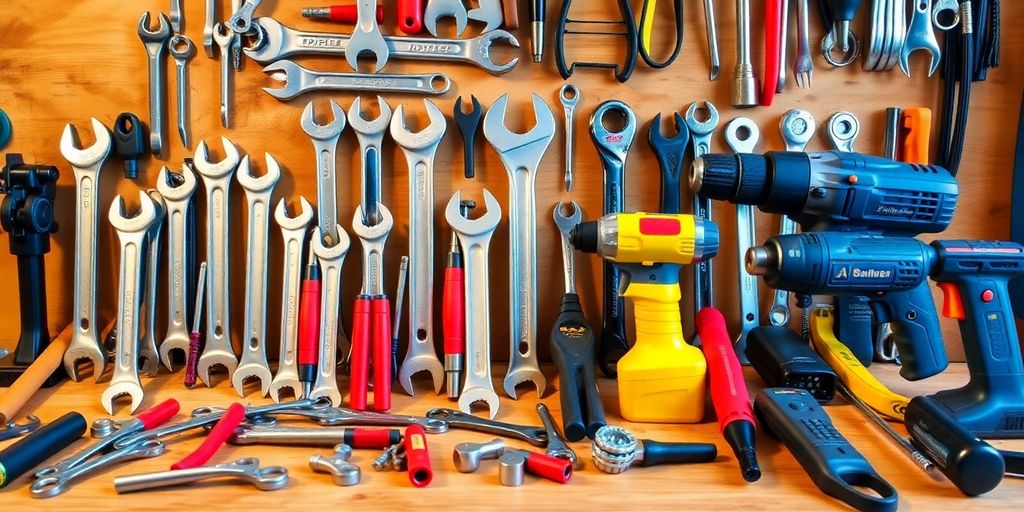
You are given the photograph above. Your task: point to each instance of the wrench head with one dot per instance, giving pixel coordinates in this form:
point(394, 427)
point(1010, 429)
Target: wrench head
point(171, 344)
point(414, 364)
point(269, 41)
point(843, 129)
point(327, 131)
point(614, 144)
point(214, 170)
point(141, 221)
point(361, 126)
point(181, 47)
point(742, 134)
point(88, 157)
point(657, 139)
point(377, 232)
point(162, 32)
point(524, 373)
point(222, 35)
point(76, 353)
point(932, 47)
point(533, 142)
point(289, 74)
point(214, 358)
point(473, 395)
point(489, 13)
point(366, 41)
point(332, 252)
point(300, 221)
point(920, 36)
point(473, 227)
point(437, 9)
point(165, 184)
point(425, 138)
point(797, 127)
point(117, 390)
point(566, 223)
point(246, 372)
point(698, 127)
point(257, 184)
point(481, 49)
point(282, 382)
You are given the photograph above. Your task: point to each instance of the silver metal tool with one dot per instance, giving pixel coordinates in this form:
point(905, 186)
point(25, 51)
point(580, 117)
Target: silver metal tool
point(742, 134)
point(331, 259)
point(210, 21)
point(293, 234)
point(149, 355)
point(803, 66)
point(536, 436)
point(278, 42)
point(87, 164)
point(475, 239)
point(512, 468)
point(780, 80)
point(258, 190)
point(946, 6)
point(182, 49)
point(908, 448)
point(366, 37)
point(797, 128)
point(556, 446)
point(419, 149)
point(131, 233)
point(712, 31)
point(888, 32)
point(337, 416)
point(298, 80)
point(114, 431)
point(489, 13)
point(13, 429)
point(343, 472)
point(217, 182)
point(569, 95)
point(565, 225)
point(294, 436)
point(521, 153)
point(270, 478)
point(371, 137)
point(843, 128)
point(176, 17)
point(58, 483)
point(241, 21)
point(468, 456)
point(744, 85)
point(920, 36)
point(325, 143)
point(236, 39)
point(224, 38)
point(893, 120)
point(701, 133)
point(155, 42)
point(437, 9)
point(177, 193)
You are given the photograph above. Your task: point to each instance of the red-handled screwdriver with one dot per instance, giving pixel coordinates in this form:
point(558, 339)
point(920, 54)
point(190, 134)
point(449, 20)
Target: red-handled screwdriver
point(309, 323)
point(339, 13)
point(453, 311)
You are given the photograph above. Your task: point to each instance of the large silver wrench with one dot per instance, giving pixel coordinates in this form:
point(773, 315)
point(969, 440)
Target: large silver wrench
point(366, 37)
point(331, 258)
point(293, 233)
point(742, 134)
point(419, 149)
point(475, 239)
point(337, 416)
point(224, 39)
point(87, 164)
point(258, 191)
point(920, 36)
point(371, 137)
point(178, 200)
point(298, 80)
point(268, 478)
point(569, 95)
point(211, 20)
point(131, 233)
point(701, 133)
point(797, 128)
point(148, 352)
point(489, 13)
point(325, 143)
point(156, 47)
point(57, 484)
point(437, 9)
point(278, 42)
point(521, 153)
point(217, 182)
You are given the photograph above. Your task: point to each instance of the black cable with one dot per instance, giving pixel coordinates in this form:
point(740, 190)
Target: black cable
point(963, 108)
point(644, 20)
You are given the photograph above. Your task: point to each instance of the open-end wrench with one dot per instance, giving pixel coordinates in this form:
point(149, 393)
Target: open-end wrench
point(149, 355)
point(224, 39)
point(325, 143)
point(156, 47)
point(217, 182)
point(489, 13)
point(536, 436)
point(742, 134)
point(278, 41)
point(331, 258)
point(569, 96)
point(371, 320)
point(210, 21)
point(701, 133)
point(613, 148)
point(797, 128)
point(87, 164)
point(258, 190)
point(437, 9)
point(298, 80)
point(235, 46)
point(54, 485)
point(371, 136)
point(419, 149)
point(131, 233)
point(670, 153)
point(177, 193)
point(293, 233)
point(182, 49)
point(920, 36)
point(475, 239)
point(521, 153)
point(366, 37)
point(267, 478)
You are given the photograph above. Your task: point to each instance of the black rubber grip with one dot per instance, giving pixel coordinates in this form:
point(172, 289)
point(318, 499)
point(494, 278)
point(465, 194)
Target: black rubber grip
point(24, 455)
point(676, 453)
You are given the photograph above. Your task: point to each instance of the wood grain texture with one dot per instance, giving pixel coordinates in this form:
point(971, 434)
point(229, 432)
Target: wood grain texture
point(65, 62)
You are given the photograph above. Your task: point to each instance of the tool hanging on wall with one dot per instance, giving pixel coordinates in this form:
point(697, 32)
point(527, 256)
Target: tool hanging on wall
point(647, 17)
point(568, 26)
point(468, 123)
point(957, 76)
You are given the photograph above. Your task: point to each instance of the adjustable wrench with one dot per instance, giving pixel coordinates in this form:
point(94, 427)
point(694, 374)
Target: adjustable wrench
point(293, 233)
point(131, 233)
point(178, 200)
point(224, 39)
point(613, 148)
point(701, 133)
point(371, 137)
point(299, 80)
point(366, 37)
point(331, 258)
point(437, 9)
point(419, 149)
point(148, 353)
point(156, 46)
point(371, 317)
point(258, 190)
point(742, 134)
point(217, 182)
point(87, 164)
point(521, 153)
point(797, 128)
point(325, 143)
point(475, 239)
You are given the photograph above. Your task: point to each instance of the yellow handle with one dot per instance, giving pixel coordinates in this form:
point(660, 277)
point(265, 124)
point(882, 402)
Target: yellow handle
point(645, 24)
point(656, 310)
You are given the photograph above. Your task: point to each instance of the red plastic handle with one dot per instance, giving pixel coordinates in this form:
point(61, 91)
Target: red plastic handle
point(360, 361)
point(159, 413)
point(772, 36)
point(372, 437)
point(309, 322)
point(380, 311)
point(417, 456)
point(350, 14)
point(220, 433)
point(453, 312)
point(552, 468)
point(410, 16)
point(728, 388)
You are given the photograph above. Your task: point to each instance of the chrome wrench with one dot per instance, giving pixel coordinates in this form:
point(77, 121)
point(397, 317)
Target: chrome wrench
point(299, 80)
point(371, 137)
point(366, 37)
point(331, 258)
point(182, 49)
point(156, 47)
point(742, 134)
point(178, 200)
point(437, 9)
point(148, 352)
point(797, 128)
point(701, 133)
point(241, 21)
point(57, 484)
point(211, 20)
point(325, 143)
point(920, 36)
point(536, 436)
point(569, 95)
point(224, 39)
point(258, 191)
point(843, 129)
point(176, 17)
point(293, 233)
point(267, 478)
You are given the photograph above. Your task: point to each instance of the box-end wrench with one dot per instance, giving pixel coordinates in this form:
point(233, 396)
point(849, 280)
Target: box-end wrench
point(701, 133)
point(217, 182)
point(522, 153)
point(331, 258)
point(182, 49)
point(613, 148)
point(569, 96)
point(241, 21)
point(325, 143)
point(210, 21)
point(371, 137)
point(366, 37)
point(293, 234)
point(224, 39)
point(258, 191)
point(131, 233)
point(267, 478)
point(437, 9)
point(742, 134)
point(87, 164)
point(843, 129)
point(797, 128)
point(475, 239)
point(298, 80)
point(419, 149)
point(177, 192)
point(155, 42)
point(149, 354)
point(55, 485)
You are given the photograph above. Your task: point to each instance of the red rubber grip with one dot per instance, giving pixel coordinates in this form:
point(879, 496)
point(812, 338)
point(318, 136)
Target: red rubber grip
point(360, 361)
point(159, 413)
point(728, 388)
point(309, 322)
point(350, 14)
point(220, 433)
point(410, 16)
point(380, 311)
point(772, 35)
point(552, 468)
point(417, 456)
point(372, 437)
point(453, 312)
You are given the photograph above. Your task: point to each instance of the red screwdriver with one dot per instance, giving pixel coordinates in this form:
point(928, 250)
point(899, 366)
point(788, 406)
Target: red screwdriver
point(309, 323)
point(453, 311)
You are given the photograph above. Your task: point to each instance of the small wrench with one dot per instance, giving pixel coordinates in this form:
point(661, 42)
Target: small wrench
point(293, 233)
point(556, 446)
point(371, 137)
point(224, 39)
point(742, 134)
point(241, 21)
point(701, 133)
point(57, 484)
point(177, 193)
point(569, 95)
point(298, 80)
point(182, 49)
point(366, 37)
point(437, 9)
point(536, 436)
point(149, 355)
point(843, 128)
point(920, 36)
point(270, 478)
point(156, 45)
point(670, 152)
point(489, 13)
point(331, 258)
point(325, 143)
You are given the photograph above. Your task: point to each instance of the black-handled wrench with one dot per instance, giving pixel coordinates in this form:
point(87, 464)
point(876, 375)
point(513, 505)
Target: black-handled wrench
point(468, 122)
point(670, 152)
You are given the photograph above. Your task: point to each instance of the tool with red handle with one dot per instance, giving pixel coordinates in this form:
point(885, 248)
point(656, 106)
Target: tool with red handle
point(546, 466)
point(339, 13)
point(371, 317)
point(360, 358)
point(453, 316)
point(217, 436)
point(380, 311)
point(417, 456)
point(195, 338)
point(729, 391)
point(309, 323)
point(410, 16)
point(773, 35)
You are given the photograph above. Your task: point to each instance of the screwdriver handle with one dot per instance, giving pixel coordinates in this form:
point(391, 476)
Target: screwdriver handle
point(410, 16)
point(380, 316)
point(31, 450)
point(453, 311)
point(360, 359)
point(309, 327)
point(656, 452)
